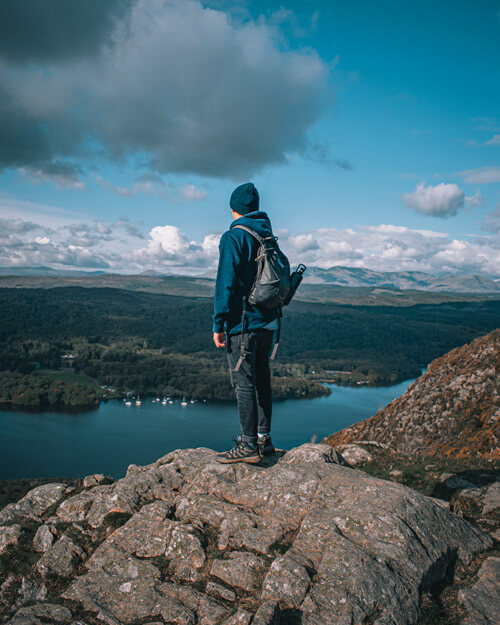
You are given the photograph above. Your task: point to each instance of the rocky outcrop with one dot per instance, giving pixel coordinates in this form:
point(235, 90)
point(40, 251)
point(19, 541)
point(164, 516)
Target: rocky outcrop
point(482, 601)
point(299, 538)
point(452, 410)
point(9, 536)
point(35, 504)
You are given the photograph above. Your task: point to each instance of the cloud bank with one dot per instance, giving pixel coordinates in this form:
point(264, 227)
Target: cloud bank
point(174, 83)
point(121, 247)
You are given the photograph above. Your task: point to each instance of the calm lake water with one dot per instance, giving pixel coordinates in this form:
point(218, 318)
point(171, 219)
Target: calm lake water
point(107, 440)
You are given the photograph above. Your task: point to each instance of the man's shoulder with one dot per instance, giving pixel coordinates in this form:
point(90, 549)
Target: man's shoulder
point(232, 236)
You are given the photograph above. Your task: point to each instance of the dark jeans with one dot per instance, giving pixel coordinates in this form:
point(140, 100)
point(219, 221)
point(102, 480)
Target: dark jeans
point(252, 382)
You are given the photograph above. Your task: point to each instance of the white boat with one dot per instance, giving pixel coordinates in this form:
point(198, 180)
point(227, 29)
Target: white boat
point(193, 401)
point(184, 402)
point(164, 401)
point(138, 402)
point(170, 401)
point(128, 403)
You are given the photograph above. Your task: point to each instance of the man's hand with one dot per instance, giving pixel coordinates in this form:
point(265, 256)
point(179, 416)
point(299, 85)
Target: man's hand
point(219, 339)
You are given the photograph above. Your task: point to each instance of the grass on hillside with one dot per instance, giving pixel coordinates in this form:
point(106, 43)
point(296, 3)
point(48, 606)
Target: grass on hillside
point(70, 377)
point(422, 474)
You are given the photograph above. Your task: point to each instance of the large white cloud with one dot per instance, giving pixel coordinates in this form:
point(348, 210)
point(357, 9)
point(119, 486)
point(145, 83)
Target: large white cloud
point(441, 200)
point(176, 83)
point(170, 249)
point(122, 247)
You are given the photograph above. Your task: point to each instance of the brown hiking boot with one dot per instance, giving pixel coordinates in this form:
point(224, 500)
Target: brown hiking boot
point(241, 452)
point(265, 446)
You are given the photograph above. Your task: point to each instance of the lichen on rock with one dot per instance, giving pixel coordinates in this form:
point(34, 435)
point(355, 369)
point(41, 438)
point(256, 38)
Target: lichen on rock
point(187, 540)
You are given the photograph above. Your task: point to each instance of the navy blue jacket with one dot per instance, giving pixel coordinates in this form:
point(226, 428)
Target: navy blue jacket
point(237, 252)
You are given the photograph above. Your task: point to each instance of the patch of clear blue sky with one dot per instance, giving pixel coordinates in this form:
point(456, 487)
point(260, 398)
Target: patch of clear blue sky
point(410, 79)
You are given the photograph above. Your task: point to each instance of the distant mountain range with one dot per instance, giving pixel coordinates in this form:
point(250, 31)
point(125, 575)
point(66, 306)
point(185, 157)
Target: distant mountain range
point(46, 271)
point(407, 280)
point(334, 276)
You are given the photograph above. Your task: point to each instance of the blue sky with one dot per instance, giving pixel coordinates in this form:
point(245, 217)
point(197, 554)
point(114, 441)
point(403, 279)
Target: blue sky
point(372, 131)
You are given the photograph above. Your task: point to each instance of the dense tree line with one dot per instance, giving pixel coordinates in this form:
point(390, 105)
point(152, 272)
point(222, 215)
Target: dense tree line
point(163, 343)
point(40, 390)
point(179, 375)
point(140, 371)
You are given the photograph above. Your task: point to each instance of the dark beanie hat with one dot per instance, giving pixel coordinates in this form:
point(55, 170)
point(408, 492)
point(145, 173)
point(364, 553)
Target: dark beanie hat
point(245, 199)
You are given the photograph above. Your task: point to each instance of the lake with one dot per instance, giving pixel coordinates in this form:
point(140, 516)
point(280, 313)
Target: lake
point(108, 439)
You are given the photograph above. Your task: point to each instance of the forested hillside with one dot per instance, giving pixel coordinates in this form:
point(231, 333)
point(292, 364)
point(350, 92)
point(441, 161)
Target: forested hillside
point(148, 342)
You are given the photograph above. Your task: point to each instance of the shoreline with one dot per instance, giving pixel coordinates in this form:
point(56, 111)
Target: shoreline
point(72, 409)
point(6, 406)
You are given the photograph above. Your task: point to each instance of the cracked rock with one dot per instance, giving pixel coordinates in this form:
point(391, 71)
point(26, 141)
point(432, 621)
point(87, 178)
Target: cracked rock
point(220, 592)
point(61, 558)
point(354, 454)
point(44, 538)
point(40, 613)
point(185, 552)
point(241, 617)
point(96, 479)
point(288, 580)
point(492, 498)
point(74, 509)
point(9, 536)
point(241, 570)
point(34, 504)
point(482, 601)
point(195, 542)
point(31, 591)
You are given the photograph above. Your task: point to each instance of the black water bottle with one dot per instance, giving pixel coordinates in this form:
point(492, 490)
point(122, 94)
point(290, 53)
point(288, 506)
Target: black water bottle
point(295, 280)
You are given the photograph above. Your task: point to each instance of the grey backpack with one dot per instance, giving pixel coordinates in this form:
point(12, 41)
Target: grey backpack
point(271, 286)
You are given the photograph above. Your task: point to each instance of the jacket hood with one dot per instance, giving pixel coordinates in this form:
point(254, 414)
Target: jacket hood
point(256, 220)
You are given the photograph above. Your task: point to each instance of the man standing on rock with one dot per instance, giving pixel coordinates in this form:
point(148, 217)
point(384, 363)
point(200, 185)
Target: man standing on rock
point(252, 378)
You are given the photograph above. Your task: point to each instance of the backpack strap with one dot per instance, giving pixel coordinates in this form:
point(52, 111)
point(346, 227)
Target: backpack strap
point(244, 306)
point(252, 232)
point(256, 236)
point(242, 341)
point(278, 334)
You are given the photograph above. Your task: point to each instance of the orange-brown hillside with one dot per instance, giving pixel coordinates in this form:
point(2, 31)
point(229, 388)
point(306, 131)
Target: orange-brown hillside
point(451, 410)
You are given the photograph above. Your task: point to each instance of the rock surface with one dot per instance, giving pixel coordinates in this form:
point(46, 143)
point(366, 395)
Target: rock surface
point(451, 410)
point(187, 540)
point(354, 454)
point(41, 613)
point(492, 498)
point(9, 536)
point(482, 601)
point(34, 504)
